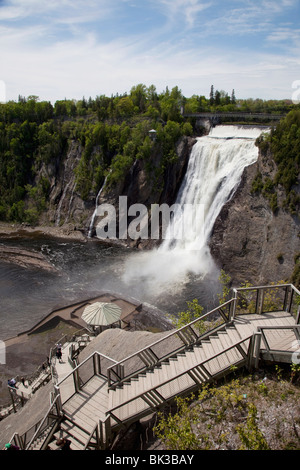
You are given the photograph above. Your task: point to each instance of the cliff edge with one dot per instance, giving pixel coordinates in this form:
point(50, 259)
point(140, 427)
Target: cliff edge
point(250, 241)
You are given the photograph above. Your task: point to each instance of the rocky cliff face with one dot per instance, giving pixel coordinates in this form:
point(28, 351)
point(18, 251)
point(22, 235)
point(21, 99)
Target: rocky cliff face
point(149, 186)
point(65, 205)
point(143, 183)
point(249, 241)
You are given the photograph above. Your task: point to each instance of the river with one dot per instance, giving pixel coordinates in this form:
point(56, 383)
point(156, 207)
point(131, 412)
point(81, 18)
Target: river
point(179, 270)
point(84, 270)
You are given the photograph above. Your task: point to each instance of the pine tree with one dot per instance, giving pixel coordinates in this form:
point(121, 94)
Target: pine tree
point(233, 99)
point(211, 95)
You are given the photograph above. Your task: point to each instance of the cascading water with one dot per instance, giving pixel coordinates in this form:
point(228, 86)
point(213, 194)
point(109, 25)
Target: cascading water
point(214, 171)
point(215, 168)
point(177, 271)
point(90, 232)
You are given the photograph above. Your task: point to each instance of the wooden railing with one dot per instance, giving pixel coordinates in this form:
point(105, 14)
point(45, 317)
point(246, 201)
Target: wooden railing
point(245, 348)
point(257, 300)
point(262, 299)
point(170, 345)
point(293, 344)
point(25, 441)
point(266, 299)
point(95, 364)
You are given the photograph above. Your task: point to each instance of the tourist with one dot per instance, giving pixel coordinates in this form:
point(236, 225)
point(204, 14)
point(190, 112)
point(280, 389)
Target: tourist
point(23, 381)
point(63, 444)
point(59, 355)
point(12, 383)
point(10, 446)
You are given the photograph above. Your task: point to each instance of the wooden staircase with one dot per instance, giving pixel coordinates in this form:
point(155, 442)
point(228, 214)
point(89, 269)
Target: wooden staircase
point(180, 374)
point(115, 394)
point(78, 436)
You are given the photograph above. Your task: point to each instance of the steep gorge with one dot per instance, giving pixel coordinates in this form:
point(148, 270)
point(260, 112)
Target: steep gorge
point(143, 183)
point(250, 241)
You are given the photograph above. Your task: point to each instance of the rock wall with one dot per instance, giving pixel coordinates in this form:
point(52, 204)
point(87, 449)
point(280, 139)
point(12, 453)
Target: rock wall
point(147, 184)
point(66, 207)
point(249, 241)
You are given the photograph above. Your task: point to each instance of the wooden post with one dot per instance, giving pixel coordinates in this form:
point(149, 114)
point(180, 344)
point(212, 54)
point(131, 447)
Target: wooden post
point(120, 371)
point(232, 310)
point(12, 395)
point(107, 428)
point(76, 380)
point(286, 297)
point(58, 402)
point(260, 301)
point(99, 363)
point(289, 309)
point(18, 441)
point(298, 315)
point(257, 344)
point(96, 366)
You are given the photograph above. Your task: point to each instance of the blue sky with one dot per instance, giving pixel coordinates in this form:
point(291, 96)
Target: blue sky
point(75, 48)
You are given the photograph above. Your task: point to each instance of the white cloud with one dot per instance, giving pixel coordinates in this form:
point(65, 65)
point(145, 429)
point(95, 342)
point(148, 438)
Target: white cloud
point(284, 34)
point(66, 56)
point(183, 11)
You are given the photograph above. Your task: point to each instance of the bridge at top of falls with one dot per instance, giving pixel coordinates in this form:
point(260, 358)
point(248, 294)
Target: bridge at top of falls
point(218, 117)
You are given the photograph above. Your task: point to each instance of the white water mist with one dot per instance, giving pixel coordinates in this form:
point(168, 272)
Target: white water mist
point(215, 168)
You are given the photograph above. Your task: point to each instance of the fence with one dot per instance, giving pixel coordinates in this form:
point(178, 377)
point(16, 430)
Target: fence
point(267, 299)
point(170, 345)
point(50, 420)
point(95, 364)
point(279, 343)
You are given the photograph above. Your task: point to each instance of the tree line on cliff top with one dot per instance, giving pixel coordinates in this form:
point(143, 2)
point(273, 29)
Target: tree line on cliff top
point(112, 132)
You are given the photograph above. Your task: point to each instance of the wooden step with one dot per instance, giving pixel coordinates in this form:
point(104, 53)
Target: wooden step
point(233, 334)
point(75, 445)
point(202, 355)
point(213, 363)
point(233, 355)
point(75, 431)
point(198, 350)
point(223, 359)
point(244, 329)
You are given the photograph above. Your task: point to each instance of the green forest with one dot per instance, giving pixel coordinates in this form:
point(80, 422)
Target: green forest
point(283, 144)
point(113, 132)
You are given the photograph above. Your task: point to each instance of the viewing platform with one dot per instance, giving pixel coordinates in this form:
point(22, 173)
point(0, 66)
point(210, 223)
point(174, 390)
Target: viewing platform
point(102, 396)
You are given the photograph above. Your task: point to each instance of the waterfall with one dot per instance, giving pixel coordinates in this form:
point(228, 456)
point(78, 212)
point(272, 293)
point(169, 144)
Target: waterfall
point(214, 171)
point(95, 211)
point(215, 167)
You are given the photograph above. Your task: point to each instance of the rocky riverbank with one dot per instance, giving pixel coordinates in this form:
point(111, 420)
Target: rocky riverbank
point(19, 231)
